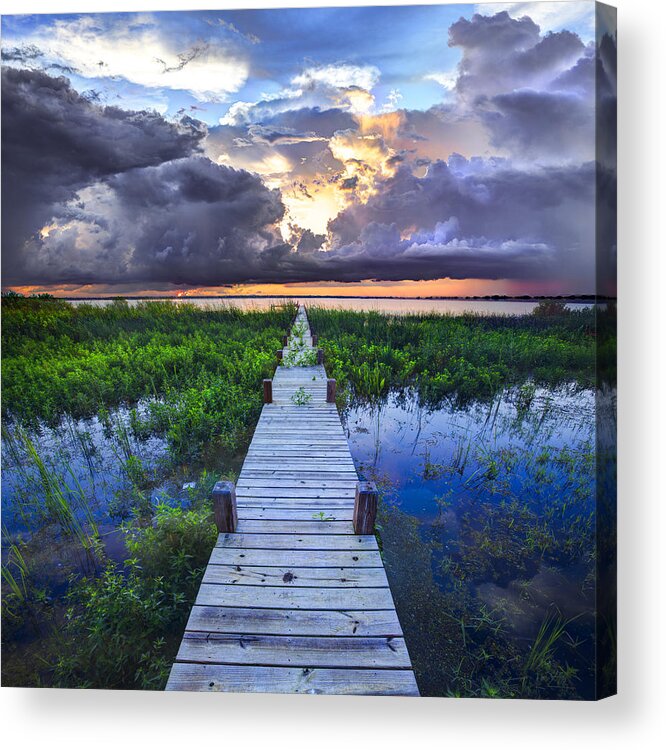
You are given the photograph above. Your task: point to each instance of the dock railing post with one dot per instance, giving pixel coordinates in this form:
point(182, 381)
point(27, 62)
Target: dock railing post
point(278, 354)
point(320, 356)
point(224, 506)
point(285, 340)
point(330, 391)
point(365, 508)
point(268, 391)
point(315, 339)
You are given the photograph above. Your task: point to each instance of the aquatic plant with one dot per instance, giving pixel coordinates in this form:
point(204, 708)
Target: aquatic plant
point(61, 358)
point(141, 611)
point(466, 357)
point(300, 397)
point(189, 374)
point(540, 663)
point(300, 357)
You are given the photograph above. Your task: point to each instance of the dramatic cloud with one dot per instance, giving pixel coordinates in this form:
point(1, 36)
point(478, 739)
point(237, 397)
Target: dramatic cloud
point(534, 93)
point(96, 194)
point(54, 142)
point(550, 16)
point(499, 221)
point(187, 221)
point(341, 76)
point(479, 163)
point(347, 87)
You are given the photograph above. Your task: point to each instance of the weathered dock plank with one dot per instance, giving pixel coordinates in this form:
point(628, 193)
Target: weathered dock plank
point(296, 558)
point(295, 577)
point(293, 600)
point(297, 541)
point(234, 679)
point(289, 526)
point(350, 623)
point(286, 650)
point(279, 513)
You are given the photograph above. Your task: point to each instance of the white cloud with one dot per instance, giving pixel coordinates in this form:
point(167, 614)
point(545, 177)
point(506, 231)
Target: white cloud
point(138, 53)
point(344, 86)
point(339, 76)
point(446, 79)
point(392, 101)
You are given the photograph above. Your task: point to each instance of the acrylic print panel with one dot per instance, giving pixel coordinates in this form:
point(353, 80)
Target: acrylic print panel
point(373, 452)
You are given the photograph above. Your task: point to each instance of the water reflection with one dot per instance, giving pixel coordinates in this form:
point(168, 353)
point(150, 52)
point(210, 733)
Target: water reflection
point(98, 461)
point(488, 535)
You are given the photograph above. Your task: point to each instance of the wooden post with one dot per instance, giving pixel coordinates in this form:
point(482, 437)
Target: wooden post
point(224, 505)
point(268, 391)
point(365, 508)
point(320, 356)
point(285, 340)
point(330, 391)
point(278, 354)
point(315, 339)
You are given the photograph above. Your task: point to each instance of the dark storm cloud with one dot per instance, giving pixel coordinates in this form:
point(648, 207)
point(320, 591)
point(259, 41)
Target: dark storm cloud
point(500, 52)
point(132, 202)
point(606, 209)
point(535, 123)
point(24, 54)
point(187, 221)
point(480, 218)
point(55, 142)
point(194, 222)
point(204, 222)
point(308, 241)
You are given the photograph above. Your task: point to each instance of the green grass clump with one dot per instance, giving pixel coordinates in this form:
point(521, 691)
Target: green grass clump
point(466, 357)
point(122, 628)
point(197, 372)
point(60, 358)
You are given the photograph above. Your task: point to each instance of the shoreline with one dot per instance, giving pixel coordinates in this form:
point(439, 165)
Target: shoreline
point(572, 299)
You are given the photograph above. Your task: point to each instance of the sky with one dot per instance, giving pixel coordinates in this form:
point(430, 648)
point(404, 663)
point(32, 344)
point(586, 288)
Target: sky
point(409, 151)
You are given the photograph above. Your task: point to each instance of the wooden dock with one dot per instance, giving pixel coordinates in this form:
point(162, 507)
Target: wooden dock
point(293, 600)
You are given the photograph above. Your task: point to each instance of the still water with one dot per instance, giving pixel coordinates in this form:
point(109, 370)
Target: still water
point(377, 304)
point(488, 535)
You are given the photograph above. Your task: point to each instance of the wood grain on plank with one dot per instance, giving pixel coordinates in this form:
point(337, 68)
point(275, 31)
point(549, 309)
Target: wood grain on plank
point(283, 597)
point(378, 652)
point(297, 541)
point(289, 526)
point(340, 622)
point(297, 558)
point(296, 577)
point(234, 679)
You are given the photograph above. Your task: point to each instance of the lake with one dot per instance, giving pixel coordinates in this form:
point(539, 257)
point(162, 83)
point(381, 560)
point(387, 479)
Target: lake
point(378, 304)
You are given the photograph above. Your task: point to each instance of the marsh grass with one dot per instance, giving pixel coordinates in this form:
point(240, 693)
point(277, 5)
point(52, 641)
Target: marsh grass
point(540, 663)
point(466, 357)
point(47, 500)
point(73, 616)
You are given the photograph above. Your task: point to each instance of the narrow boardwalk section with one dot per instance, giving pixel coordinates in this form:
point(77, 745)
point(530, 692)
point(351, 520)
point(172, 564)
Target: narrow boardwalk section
point(294, 601)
